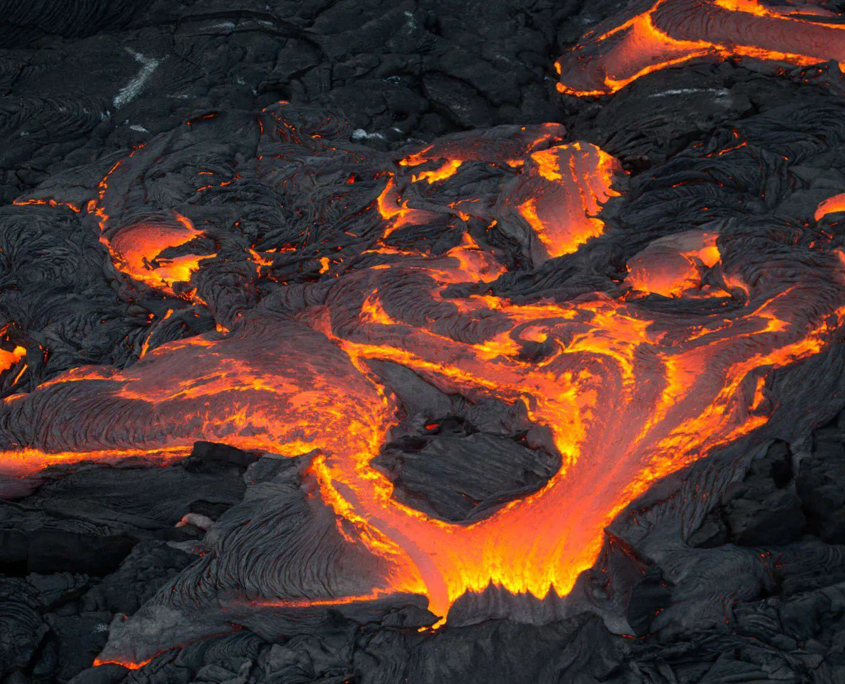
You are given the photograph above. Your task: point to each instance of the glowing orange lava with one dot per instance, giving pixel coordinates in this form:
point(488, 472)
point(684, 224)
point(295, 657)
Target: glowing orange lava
point(123, 663)
point(10, 358)
point(137, 251)
point(628, 395)
point(673, 266)
point(674, 32)
point(831, 205)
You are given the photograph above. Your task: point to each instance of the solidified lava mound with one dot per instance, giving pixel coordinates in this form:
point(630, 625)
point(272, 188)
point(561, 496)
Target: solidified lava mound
point(366, 342)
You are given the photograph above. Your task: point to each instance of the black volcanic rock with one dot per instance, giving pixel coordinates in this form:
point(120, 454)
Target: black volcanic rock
point(758, 592)
point(21, 626)
point(61, 550)
point(89, 520)
point(820, 484)
point(74, 640)
point(208, 457)
point(26, 23)
point(649, 597)
point(457, 473)
point(147, 567)
point(577, 650)
point(413, 69)
point(53, 626)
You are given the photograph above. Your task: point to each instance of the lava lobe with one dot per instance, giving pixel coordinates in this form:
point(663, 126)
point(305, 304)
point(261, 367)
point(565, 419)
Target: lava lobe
point(361, 294)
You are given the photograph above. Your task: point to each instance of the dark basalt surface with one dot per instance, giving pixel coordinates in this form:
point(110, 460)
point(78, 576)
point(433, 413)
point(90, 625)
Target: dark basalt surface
point(756, 591)
point(454, 472)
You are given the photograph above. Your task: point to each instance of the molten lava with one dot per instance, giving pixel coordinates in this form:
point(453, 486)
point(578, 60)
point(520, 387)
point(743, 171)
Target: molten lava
point(138, 251)
point(672, 266)
point(669, 33)
point(831, 205)
point(628, 395)
point(560, 194)
point(8, 359)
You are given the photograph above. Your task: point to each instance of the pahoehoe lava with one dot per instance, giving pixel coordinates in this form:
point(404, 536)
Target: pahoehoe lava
point(346, 406)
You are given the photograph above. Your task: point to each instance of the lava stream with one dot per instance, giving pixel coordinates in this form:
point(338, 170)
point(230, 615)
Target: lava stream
point(628, 394)
point(629, 398)
point(669, 33)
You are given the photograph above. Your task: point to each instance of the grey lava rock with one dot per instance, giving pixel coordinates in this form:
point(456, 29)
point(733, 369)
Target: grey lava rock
point(457, 473)
point(820, 484)
point(760, 510)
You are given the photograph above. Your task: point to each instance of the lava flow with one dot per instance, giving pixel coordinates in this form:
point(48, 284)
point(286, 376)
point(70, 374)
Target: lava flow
point(568, 185)
point(139, 251)
point(628, 388)
point(668, 33)
point(628, 395)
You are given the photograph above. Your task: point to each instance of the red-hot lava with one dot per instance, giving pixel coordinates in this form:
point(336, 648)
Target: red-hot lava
point(567, 186)
point(658, 34)
point(629, 395)
point(138, 250)
point(673, 266)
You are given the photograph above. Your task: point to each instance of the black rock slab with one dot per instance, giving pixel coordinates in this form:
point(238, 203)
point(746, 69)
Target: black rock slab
point(760, 510)
point(576, 650)
point(21, 625)
point(820, 479)
point(463, 476)
point(89, 518)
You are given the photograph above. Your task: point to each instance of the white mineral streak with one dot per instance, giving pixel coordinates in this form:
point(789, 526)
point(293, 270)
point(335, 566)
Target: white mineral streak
point(132, 89)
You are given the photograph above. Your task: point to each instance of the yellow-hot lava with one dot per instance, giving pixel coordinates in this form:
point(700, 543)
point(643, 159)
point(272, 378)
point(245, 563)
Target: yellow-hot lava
point(10, 358)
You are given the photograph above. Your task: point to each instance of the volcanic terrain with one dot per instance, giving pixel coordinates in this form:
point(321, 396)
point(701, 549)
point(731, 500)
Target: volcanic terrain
point(422, 341)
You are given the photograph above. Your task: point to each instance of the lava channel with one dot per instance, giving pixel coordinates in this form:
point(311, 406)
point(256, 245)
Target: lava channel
point(629, 393)
point(659, 34)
